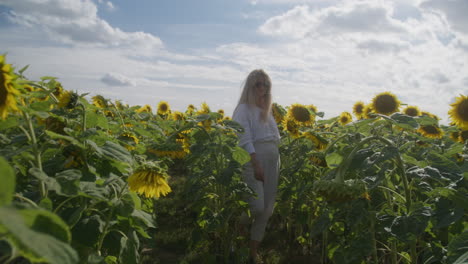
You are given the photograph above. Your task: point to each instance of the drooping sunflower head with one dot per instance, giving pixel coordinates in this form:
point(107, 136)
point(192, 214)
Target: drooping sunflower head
point(8, 92)
point(221, 112)
point(163, 108)
point(368, 111)
point(68, 100)
point(130, 140)
point(118, 104)
point(463, 137)
point(345, 118)
point(278, 112)
point(190, 109)
point(58, 89)
point(150, 181)
point(178, 116)
point(99, 101)
point(319, 142)
point(300, 114)
point(459, 112)
point(291, 126)
point(412, 111)
point(227, 118)
point(385, 103)
point(431, 131)
point(455, 136)
point(144, 109)
point(358, 109)
point(431, 115)
point(204, 109)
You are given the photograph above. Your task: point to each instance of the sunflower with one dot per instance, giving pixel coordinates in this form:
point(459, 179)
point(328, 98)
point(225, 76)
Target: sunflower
point(145, 108)
point(459, 112)
point(119, 105)
point(292, 127)
point(99, 101)
point(319, 142)
point(206, 124)
point(163, 108)
point(58, 89)
point(227, 118)
point(204, 109)
point(190, 109)
point(385, 103)
point(221, 112)
point(313, 108)
point(318, 160)
point(150, 181)
point(425, 113)
point(278, 112)
point(368, 111)
point(178, 116)
point(358, 109)
point(345, 118)
point(68, 100)
point(455, 136)
point(300, 114)
point(412, 111)
point(8, 92)
point(463, 137)
point(431, 131)
point(130, 140)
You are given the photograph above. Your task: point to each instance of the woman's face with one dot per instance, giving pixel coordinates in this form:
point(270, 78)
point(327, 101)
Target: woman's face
point(262, 90)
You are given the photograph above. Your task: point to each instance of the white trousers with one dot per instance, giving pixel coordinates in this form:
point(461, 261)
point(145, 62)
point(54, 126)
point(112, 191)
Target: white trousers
point(261, 205)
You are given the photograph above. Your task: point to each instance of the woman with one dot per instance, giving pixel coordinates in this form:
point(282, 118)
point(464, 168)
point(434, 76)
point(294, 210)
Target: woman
point(260, 139)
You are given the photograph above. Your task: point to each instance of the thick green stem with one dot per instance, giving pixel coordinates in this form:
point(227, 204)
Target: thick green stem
point(36, 152)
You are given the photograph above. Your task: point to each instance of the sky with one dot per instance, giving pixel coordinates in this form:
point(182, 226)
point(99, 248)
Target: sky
point(329, 53)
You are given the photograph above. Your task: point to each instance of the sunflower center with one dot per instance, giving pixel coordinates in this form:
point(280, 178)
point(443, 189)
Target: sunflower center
point(344, 119)
point(385, 104)
point(359, 109)
point(430, 129)
point(411, 112)
point(462, 110)
point(164, 107)
point(301, 114)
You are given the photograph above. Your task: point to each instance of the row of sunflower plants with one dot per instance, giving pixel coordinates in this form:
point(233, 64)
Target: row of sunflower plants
point(73, 171)
point(389, 187)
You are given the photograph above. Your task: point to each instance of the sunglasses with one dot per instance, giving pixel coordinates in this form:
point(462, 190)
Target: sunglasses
point(259, 84)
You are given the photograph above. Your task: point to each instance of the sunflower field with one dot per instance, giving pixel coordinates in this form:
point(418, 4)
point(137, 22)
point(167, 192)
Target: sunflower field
point(97, 181)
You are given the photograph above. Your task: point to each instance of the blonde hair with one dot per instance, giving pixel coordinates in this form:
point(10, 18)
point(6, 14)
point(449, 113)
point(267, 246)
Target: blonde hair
point(249, 96)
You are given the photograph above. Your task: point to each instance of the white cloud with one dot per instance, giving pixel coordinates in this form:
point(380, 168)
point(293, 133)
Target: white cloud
point(76, 22)
point(110, 6)
point(114, 79)
point(455, 11)
point(348, 17)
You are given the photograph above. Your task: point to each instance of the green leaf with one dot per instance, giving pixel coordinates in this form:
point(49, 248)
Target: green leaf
point(426, 120)
point(458, 246)
point(32, 244)
point(240, 155)
point(46, 222)
point(463, 259)
point(43, 106)
point(116, 152)
point(10, 122)
point(404, 121)
point(72, 140)
point(7, 179)
point(94, 119)
point(333, 160)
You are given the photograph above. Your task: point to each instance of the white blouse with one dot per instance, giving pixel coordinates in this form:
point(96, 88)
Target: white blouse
point(255, 130)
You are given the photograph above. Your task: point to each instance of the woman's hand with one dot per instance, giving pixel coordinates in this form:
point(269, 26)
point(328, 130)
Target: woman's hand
point(258, 170)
